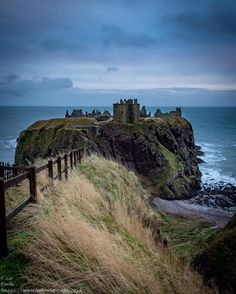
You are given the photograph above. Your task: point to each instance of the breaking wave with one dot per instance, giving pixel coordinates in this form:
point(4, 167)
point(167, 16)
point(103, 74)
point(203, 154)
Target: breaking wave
point(212, 173)
point(213, 177)
point(9, 144)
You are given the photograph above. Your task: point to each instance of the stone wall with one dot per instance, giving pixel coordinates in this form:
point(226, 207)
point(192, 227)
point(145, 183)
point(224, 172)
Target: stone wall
point(120, 113)
point(127, 111)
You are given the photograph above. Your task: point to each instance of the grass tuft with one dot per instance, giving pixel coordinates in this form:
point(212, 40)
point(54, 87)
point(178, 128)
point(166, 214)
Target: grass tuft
point(94, 233)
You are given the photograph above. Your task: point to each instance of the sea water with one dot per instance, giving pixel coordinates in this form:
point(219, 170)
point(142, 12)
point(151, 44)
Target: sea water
point(214, 130)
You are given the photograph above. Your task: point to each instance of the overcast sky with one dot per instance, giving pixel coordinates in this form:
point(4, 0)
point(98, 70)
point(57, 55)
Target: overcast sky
point(93, 52)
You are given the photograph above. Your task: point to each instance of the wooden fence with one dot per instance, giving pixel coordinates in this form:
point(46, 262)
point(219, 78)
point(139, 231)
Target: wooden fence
point(8, 171)
point(21, 173)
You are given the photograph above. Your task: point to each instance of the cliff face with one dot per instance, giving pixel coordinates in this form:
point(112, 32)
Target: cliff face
point(160, 150)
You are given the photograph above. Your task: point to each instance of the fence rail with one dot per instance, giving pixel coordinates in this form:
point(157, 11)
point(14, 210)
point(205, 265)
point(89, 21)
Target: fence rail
point(8, 171)
point(21, 173)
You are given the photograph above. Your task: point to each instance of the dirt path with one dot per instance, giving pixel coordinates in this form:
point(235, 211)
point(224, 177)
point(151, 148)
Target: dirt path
point(216, 217)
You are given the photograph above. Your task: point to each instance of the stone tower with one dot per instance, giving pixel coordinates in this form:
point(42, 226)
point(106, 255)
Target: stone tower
point(127, 111)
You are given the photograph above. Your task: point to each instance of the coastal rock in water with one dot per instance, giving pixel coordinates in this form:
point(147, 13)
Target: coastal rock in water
point(221, 196)
point(160, 150)
point(199, 151)
point(200, 160)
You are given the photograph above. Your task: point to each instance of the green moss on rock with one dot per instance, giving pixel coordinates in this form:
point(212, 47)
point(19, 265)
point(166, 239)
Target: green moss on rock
point(44, 136)
point(218, 261)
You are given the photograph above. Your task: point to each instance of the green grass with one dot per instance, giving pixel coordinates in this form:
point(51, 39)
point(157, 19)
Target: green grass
point(115, 183)
point(171, 168)
point(61, 122)
point(112, 178)
point(115, 228)
point(11, 268)
point(35, 142)
point(15, 195)
point(218, 260)
point(188, 236)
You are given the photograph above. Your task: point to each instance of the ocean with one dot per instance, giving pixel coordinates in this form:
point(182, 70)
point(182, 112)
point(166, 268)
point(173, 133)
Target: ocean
point(214, 130)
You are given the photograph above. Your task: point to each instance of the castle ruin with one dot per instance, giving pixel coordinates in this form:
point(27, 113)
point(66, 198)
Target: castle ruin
point(127, 111)
point(175, 113)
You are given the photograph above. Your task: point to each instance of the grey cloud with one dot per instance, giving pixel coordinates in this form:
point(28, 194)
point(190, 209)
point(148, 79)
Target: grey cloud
point(58, 44)
point(51, 45)
point(214, 22)
point(113, 68)
point(10, 78)
point(15, 86)
point(113, 35)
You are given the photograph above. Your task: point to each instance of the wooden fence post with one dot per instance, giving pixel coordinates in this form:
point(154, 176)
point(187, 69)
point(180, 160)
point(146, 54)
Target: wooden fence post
point(2, 170)
point(14, 171)
point(3, 221)
point(59, 167)
point(66, 166)
point(74, 153)
point(71, 160)
point(50, 169)
point(79, 156)
point(33, 184)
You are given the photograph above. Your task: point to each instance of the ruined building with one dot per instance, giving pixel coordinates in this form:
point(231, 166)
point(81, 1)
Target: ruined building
point(174, 113)
point(127, 111)
point(143, 112)
point(93, 114)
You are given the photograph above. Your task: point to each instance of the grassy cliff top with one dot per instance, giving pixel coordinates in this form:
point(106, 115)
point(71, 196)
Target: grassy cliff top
point(85, 121)
point(63, 122)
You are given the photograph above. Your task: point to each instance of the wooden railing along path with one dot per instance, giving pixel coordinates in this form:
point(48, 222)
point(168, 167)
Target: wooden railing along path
point(8, 171)
point(21, 173)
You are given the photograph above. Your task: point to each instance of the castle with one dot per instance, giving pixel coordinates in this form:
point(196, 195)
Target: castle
point(127, 111)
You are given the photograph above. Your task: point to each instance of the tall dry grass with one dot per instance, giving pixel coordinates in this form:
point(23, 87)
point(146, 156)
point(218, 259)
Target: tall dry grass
point(91, 237)
point(16, 195)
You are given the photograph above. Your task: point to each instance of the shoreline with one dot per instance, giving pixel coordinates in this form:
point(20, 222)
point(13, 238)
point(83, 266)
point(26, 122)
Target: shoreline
point(214, 194)
point(217, 217)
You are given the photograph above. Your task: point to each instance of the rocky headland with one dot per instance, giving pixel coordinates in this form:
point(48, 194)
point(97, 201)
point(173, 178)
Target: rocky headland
point(161, 150)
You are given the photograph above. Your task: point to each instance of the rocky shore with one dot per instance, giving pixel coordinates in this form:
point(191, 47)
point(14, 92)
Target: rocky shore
point(216, 217)
point(219, 195)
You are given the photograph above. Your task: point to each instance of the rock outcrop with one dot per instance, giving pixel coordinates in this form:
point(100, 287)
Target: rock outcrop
point(161, 150)
point(218, 261)
point(143, 112)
